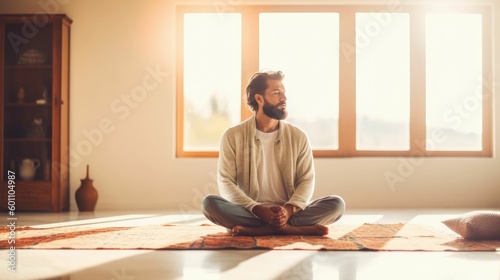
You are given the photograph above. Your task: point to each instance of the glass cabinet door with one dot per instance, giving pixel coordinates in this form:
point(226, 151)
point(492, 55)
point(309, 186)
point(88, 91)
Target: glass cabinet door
point(27, 112)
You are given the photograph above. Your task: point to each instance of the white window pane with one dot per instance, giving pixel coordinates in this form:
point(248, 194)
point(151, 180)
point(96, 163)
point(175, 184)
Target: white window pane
point(212, 78)
point(454, 83)
point(305, 46)
point(382, 81)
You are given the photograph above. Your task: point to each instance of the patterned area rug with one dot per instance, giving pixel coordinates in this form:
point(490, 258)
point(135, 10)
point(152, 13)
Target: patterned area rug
point(374, 237)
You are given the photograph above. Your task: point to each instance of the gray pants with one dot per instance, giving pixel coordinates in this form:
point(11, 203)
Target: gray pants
point(323, 211)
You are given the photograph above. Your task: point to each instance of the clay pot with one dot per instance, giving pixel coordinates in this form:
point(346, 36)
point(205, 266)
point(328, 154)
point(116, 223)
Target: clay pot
point(86, 195)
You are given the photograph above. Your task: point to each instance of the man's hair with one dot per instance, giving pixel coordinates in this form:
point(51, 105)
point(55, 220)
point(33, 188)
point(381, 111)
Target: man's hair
point(258, 84)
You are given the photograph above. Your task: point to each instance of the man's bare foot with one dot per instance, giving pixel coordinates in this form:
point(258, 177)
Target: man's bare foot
point(315, 230)
point(254, 231)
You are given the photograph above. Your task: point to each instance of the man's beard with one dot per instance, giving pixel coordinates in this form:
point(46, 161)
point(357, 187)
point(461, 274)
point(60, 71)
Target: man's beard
point(273, 111)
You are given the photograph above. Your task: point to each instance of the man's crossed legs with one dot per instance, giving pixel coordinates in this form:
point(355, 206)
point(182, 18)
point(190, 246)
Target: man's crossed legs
point(239, 221)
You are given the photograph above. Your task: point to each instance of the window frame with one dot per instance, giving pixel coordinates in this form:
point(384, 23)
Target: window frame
point(347, 73)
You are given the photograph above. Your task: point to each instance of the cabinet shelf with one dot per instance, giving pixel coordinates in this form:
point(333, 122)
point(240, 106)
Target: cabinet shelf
point(20, 140)
point(28, 184)
point(17, 105)
point(29, 66)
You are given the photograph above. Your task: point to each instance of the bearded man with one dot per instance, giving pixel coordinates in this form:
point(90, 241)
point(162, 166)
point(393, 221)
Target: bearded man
point(266, 173)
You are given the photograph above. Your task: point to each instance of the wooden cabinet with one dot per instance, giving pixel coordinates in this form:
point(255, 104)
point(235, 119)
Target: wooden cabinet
point(34, 117)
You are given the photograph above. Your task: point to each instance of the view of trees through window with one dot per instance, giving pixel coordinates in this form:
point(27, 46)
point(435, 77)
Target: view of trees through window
point(212, 78)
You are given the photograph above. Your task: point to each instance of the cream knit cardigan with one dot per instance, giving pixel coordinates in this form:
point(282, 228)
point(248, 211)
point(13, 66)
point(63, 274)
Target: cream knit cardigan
point(240, 153)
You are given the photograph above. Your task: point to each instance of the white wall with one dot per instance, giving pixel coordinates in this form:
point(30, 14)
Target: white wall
point(115, 42)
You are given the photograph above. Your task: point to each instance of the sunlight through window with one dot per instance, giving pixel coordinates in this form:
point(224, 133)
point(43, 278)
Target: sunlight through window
point(382, 81)
point(305, 46)
point(212, 78)
point(454, 81)
point(416, 79)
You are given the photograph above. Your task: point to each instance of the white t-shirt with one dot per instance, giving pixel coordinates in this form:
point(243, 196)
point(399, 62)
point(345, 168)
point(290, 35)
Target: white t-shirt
point(271, 186)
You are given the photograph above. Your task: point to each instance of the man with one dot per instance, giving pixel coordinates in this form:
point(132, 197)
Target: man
point(266, 172)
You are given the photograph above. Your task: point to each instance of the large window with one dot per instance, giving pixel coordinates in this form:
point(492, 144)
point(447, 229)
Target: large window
point(453, 74)
point(212, 78)
point(383, 82)
point(305, 46)
point(360, 80)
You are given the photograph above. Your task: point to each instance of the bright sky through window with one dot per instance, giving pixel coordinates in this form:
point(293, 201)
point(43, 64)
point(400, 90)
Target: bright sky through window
point(305, 46)
point(360, 81)
point(382, 81)
point(454, 81)
point(212, 77)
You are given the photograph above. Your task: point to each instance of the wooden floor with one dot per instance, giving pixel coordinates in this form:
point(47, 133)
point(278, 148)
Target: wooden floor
point(244, 264)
